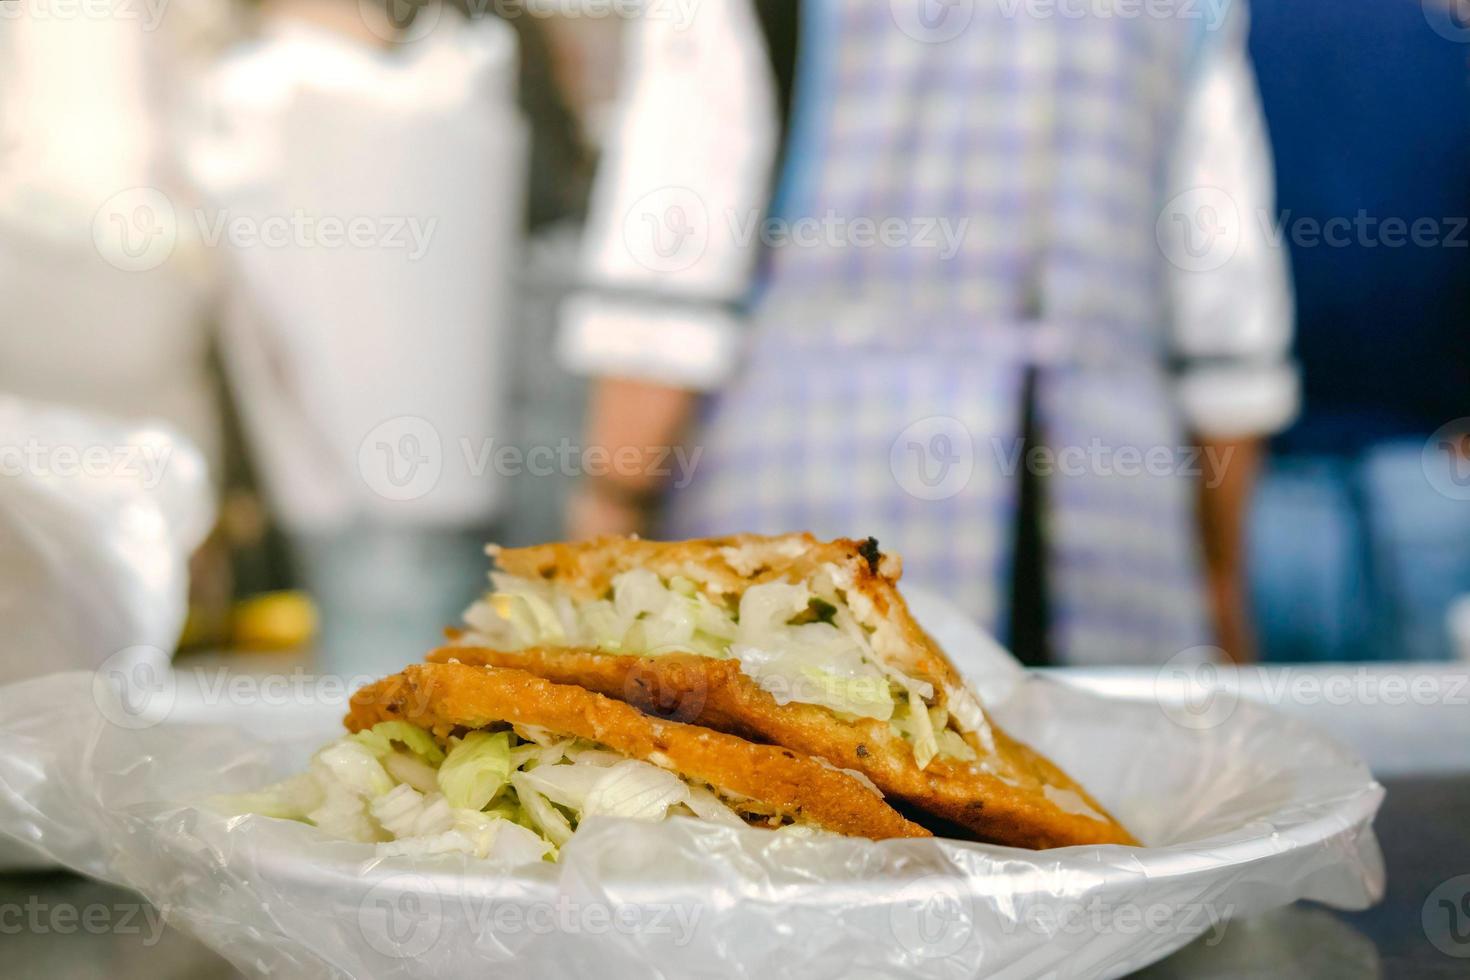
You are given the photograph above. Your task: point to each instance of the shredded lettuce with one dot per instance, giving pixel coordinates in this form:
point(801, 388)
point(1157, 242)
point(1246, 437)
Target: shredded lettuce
point(565, 785)
point(409, 768)
point(705, 805)
point(343, 813)
point(405, 812)
point(380, 738)
point(547, 820)
point(912, 721)
point(475, 770)
point(291, 799)
point(636, 790)
point(800, 642)
point(953, 745)
point(353, 766)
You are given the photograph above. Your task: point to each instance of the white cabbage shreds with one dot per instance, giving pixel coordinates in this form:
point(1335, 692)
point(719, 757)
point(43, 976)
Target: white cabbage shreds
point(801, 642)
point(809, 662)
point(636, 790)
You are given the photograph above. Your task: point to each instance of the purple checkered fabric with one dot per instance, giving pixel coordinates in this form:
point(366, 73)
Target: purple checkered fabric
point(882, 392)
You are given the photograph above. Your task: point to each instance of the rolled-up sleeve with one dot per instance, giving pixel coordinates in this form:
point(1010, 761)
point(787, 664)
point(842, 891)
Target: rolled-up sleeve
point(673, 234)
point(1232, 301)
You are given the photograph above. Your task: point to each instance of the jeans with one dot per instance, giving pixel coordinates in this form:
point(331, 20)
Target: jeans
point(1356, 559)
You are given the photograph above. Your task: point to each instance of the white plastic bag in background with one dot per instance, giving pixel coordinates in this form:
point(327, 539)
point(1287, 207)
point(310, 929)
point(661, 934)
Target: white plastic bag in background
point(97, 521)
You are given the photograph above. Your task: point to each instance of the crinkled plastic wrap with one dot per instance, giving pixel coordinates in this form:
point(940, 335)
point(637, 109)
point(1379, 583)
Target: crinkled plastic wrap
point(97, 521)
point(1240, 816)
point(98, 518)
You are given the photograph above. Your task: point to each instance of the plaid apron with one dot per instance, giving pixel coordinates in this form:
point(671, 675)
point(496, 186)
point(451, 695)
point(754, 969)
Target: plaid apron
point(882, 393)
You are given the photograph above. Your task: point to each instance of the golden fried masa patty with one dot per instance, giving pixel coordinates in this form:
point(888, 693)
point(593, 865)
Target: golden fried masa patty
point(1010, 806)
point(444, 698)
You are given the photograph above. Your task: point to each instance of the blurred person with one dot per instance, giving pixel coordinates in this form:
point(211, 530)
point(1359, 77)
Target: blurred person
point(1361, 536)
point(366, 182)
point(104, 305)
point(1052, 285)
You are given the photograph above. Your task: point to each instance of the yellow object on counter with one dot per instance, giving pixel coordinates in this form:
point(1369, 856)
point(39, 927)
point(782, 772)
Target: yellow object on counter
point(273, 621)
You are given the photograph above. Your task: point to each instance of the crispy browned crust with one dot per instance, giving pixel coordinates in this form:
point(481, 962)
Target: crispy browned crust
point(1013, 810)
point(728, 566)
point(445, 697)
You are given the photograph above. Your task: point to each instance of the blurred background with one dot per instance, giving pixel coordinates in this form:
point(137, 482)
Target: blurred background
point(1137, 329)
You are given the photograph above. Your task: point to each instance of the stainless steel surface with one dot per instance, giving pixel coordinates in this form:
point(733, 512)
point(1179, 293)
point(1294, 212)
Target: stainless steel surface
point(58, 925)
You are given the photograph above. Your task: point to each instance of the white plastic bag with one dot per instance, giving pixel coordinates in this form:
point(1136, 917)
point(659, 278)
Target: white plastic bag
point(97, 522)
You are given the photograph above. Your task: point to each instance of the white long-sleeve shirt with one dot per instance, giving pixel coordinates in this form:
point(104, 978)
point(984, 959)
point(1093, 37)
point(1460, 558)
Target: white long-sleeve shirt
point(698, 112)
